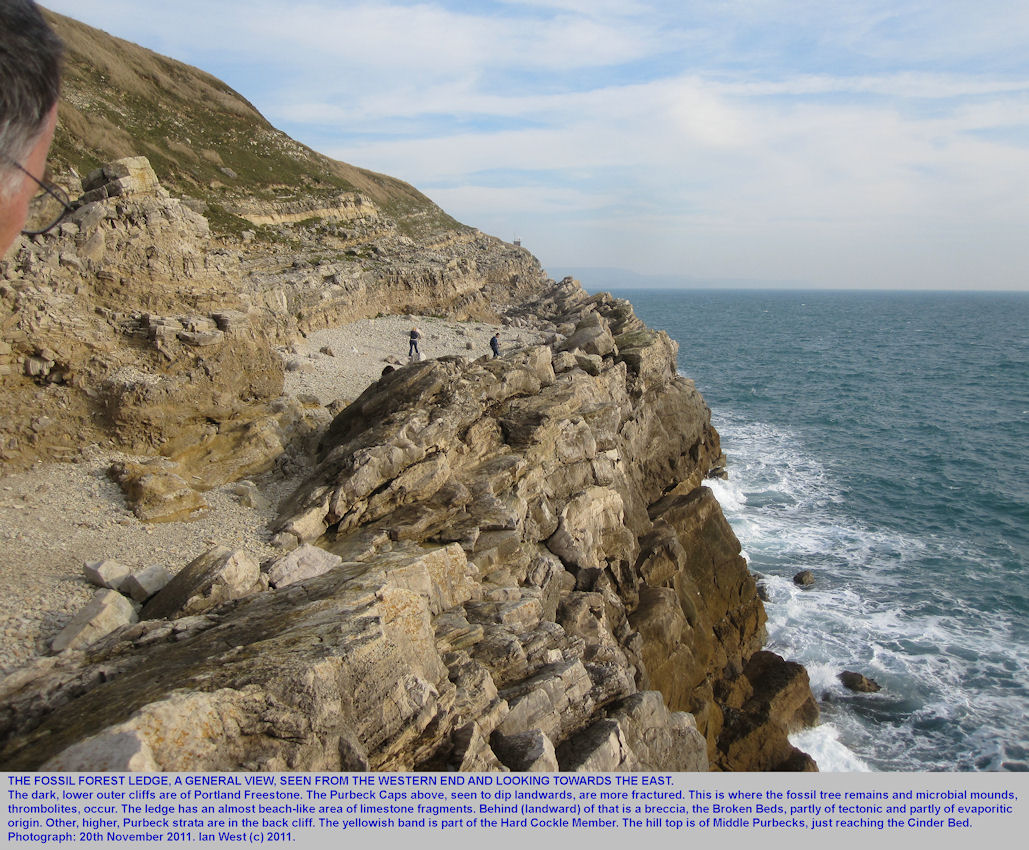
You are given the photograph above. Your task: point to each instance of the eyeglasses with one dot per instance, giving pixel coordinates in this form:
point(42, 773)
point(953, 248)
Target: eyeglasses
point(47, 208)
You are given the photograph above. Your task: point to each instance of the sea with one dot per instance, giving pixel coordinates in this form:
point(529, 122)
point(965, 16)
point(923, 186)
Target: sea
point(881, 441)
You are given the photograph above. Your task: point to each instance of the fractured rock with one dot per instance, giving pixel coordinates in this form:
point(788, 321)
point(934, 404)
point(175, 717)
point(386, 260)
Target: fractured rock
point(334, 674)
point(217, 576)
point(132, 175)
point(660, 739)
point(600, 748)
point(591, 336)
point(145, 583)
point(591, 364)
point(555, 701)
point(306, 561)
point(105, 612)
point(591, 531)
point(777, 701)
point(249, 495)
point(115, 750)
point(526, 752)
point(472, 751)
point(588, 592)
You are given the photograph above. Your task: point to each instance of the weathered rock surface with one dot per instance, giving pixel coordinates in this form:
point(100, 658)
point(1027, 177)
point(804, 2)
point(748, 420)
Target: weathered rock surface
point(107, 611)
point(497, 565)
point(215, 577)
point(859, 683)
point(132, 322)
point(773, 699)
point(303, 562)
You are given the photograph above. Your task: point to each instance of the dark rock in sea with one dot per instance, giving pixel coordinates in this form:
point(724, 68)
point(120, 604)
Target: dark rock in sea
point(805, 578)
point(776, 701)
point(858, 683)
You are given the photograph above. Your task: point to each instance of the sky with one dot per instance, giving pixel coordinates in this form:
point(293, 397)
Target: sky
point(850, 144)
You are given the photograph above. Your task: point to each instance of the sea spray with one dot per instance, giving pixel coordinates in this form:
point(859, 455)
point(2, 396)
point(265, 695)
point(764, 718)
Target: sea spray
point(877, 439)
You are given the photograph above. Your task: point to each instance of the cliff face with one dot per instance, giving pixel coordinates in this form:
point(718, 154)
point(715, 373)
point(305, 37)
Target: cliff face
point(514, 568)
point(203, 238)
point(134, 323)
point(505, 564)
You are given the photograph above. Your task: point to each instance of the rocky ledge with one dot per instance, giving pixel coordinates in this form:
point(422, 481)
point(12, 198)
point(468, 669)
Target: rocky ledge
point(505, 564)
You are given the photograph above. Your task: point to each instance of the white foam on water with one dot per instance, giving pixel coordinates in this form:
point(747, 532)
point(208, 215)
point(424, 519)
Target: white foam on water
point(729, 493)
point(862, 614)
point(822, 743)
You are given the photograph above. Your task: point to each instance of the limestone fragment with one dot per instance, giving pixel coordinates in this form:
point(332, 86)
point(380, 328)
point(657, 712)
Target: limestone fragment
point(249, 495)
point(106, 573)
point(129, 176)
point(145, 583)
point(157, 494)
point(105, 612)
point(591, 336)
point(306, 561)
point(591, 364)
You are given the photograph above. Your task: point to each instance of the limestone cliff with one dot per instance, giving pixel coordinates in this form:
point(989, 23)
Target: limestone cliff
point(506, 564)
point(132, 322)
point(515, 566)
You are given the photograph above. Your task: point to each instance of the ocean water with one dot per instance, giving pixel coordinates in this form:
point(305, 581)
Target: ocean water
point(880, 440)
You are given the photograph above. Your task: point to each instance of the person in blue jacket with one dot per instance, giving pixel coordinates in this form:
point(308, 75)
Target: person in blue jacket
point(494, 343)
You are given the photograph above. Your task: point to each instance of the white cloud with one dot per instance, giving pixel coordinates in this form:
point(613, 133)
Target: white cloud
point(896, 86)
point(875, 141)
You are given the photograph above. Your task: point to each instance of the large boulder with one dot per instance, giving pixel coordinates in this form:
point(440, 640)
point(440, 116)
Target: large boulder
point(858, 682)
point(130, 176)
point(155, 491)
point(218, 575)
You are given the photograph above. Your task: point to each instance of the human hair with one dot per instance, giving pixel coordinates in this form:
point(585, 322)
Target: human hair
point(30, 81)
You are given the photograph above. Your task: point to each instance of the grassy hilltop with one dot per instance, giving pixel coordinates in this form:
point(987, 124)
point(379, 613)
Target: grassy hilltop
point(204, 140)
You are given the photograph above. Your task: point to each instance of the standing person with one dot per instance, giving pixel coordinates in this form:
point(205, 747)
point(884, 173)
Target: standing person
point(495, 344)
point(412, 349)
point(30, 83)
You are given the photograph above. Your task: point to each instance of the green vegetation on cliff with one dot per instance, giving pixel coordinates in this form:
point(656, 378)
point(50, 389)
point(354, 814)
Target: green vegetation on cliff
point(203, 139)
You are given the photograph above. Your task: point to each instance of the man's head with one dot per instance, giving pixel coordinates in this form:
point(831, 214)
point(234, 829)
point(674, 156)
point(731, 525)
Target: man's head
point(30, 80)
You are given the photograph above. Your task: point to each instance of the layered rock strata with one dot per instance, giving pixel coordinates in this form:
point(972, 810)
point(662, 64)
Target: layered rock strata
point(520, 570)
point(495, 565)
point(131, 322)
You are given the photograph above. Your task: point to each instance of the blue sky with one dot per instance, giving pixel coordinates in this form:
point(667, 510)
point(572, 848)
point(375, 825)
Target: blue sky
point(834, 144)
